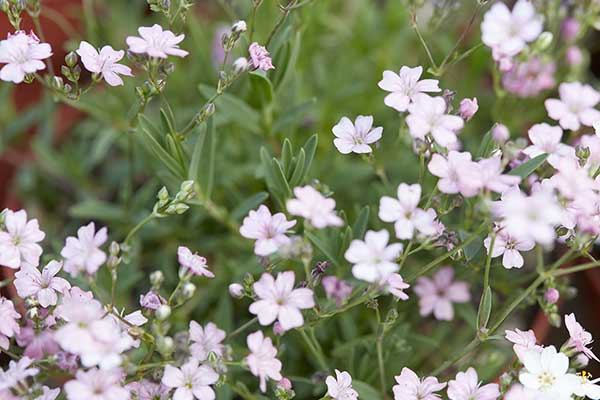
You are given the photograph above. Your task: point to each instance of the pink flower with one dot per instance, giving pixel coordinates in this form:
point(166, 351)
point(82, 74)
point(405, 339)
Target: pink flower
point(529, 78)
point(468, 108)
point(437, 295)
point(37, 344)
point(523, 341)
point(82, 253)
point(395, 285)
point(457, 173)
point(191, 381)
point(466, 386)
point(313, 206)
point(336, 289)
point(508, 247)
point(48, 394)
point(193, 262)
point(8, 322)
point(427, 115)
point(148, 390)
point(552, 295)
point(104, 62)
point(575, 107)
point(44, 286)
point(17, 372)
point(356, 137)
point(547, 139)
point(410, 387)
point(278, 300)
point(569, 28)
point(405, 214)
point(405, 86)
point(19, 240)
point(262, 359)
point(491, 176)
point(373, 259)
point(509, 32)
point(205, 340)
point(151, 301)
point(22, 54)
point(268, 230)
point(96, 384)
point(260, 57)
point(156, 42)
point(340, 387)
point(579, 337)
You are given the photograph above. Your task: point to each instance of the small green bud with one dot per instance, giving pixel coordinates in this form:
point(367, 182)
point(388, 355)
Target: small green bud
point(71, 59)
point(163, 312)
point(188, 290)
point(157, 278)
point(544, 41)
point(165, 345)
point(58, 83)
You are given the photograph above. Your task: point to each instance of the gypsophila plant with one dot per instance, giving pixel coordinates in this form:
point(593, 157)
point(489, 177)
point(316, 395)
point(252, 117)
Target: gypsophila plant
point(194, 238)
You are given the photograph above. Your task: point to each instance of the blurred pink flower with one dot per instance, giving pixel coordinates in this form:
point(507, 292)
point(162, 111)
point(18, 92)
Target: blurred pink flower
point(156, 42)
point(405, 86)
point(336, 289)
point(356, 137)
point(468, 108)
point(491, 175)
point(579, 337)
point(427, 115)
point(205, 340)
point(575, 107)
point(574, 56)
point(82, 253)
point(260, 57)
point(410, 387)
point(529, 78)
point(191, 381)
point(19, 241)
point(457, 173)
point(37, 344)
point(8, 322)
point(193, 262)
point(523, 341)
point(500, 133)
point(466, 386)
point(395, 285)
point(262, 359)
point(340, 387)
point(23, 54)
point(373, 259)
point(437, 295)
point(44, 286)
point(268, 230)
point(569, 28)
point(313, 206)
point(96, 384)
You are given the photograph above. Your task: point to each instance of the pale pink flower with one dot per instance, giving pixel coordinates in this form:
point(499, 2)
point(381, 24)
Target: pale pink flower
point(579, 339)
point(500, 133)
point(575, 107)
point(37, 344)
point(268, 230)
point(260, 57)
point(156, 42)
point(278, 300)
point(82, 253)
point(457, 173)
point(356, 137)
point(313, 206)
point(104, 62)
point(437, 295)
point(466, 386)
point(336, 289)
point(405, 214)
point(427, 115)
point(529, 78)
point(22, 54)
point(373, 259)
point(405, 86)
point(262, 359)
point(509, 247)
point(410, 387)
point(44, 286)
point(468, 108)
point(19, 240)
point(193, 262)
point(148, 390)
point(97, 385)
point(395, 285)
point(519, 392)
point(547, 139)
point(546, 372)
point(205, 340)
point(8, 322)
point(18, 371)
point(340, 387)
point(48, 394)
point(236, 290)
point(508, 32)
point(151, 301)
point(191, 381)
point(491, 176)
point(523, 341)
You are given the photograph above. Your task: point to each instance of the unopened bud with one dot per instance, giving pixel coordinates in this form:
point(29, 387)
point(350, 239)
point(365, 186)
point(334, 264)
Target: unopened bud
point(188, 290)
point(163, 312)
point(157, 278)
point(58, 83)
point(544, 41)
point(285, 383)
point(552, 295)
point(500, 133)
point(278, 329)
point(71, 59)
point(165, 345)
point(236, 290)
point(240, 65)
point(239, 27)
point(114, 249)
point(554, 320)
point(163, 195)
point(468, 108)
point(32, 313)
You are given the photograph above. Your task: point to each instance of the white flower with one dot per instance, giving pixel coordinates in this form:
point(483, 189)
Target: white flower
point(43, 285)
point(405, 86)
point(340, 387)
point(509, 246)
point(547, 139)
point(405, 214)
point(546, 372)
point(191, 381)
point(97, 385)
point(586, 387)
point(373, 259)
point(19, 241)
point(427, 115)
point(205, 340)
point(22, 54)
point(506, 32)
point(313, 206)
point(356, 138)
point(262, 359)
point(104, 62)
point(575, 107)
point(268, 230)
point(18, 371)
point(156, 42)
point(82, 253)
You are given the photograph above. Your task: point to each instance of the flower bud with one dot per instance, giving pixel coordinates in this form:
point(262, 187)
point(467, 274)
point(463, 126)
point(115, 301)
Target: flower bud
point(236, 290)
point(569, 28)
point(278, 329)
point(574, 56)
point(240, 65)
point(188, 290)
point(187, 186)
point(58, 83)
point(165, 345)
point(500, 133)
point(71, 59)
point(554, 320)
point(239, 27)
point(157, 278)
point(468, 108)
point(32, 313)
point(163, 196)
point(552, 295)
point(285, 383)
point(580, 361)
point(544, 41)
point(163, 312)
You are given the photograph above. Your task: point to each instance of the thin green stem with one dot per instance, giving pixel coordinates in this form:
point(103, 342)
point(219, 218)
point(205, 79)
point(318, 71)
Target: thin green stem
point(415, 26)
point(318, 355)
point(286, 11)
point(379, 345)
point(579, 268)
point(40, 32)
point(242, 328)
point(139, 226)
point(488, 263)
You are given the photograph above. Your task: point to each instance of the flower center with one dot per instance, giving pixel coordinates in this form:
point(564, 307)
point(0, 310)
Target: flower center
point(546, 379)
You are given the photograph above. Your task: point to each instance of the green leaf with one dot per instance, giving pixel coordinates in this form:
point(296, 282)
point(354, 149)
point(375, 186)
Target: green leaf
point(298, 169)
point(206, 180)
point(286, 155)
point(281, 184)
point(366, 391)
point(323, 246)
point(166, 122)
point(262, 88)
point(194, 169)
point(293, 115)
point(150, 142)
point(360, 225)
point(526, 169)
point(485, 308)
point(249, 204)
point(98, 210)
point(224, 314)
point(310, 147)
point(290, 64)
point(487, 145)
